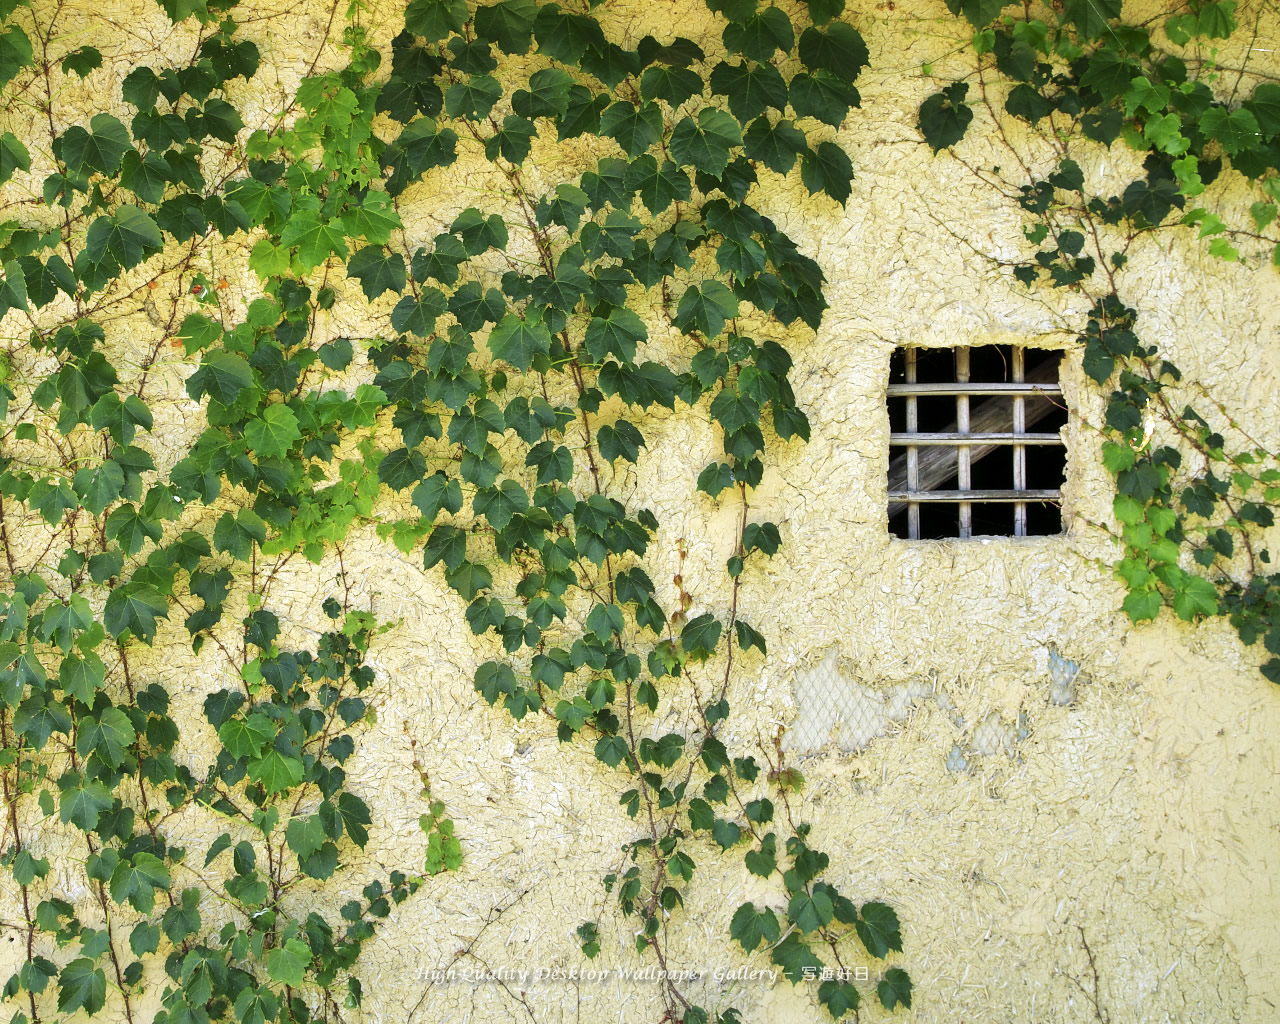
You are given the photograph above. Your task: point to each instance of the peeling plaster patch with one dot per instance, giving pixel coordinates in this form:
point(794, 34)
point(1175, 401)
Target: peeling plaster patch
point(833, 709)
point(1062, 678)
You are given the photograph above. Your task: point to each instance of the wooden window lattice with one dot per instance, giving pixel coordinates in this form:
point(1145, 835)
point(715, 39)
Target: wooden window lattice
point(976, 433)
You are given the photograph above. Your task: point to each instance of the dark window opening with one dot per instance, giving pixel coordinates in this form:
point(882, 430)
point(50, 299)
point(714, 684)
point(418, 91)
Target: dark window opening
point(974, 442)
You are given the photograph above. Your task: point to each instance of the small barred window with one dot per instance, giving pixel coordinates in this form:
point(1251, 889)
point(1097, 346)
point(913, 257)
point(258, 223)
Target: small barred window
point(975, 442)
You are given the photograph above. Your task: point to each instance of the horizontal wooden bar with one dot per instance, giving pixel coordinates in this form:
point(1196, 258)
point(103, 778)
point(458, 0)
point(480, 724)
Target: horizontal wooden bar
point(1007, 390)
point(951, 438)
point(1014, 495)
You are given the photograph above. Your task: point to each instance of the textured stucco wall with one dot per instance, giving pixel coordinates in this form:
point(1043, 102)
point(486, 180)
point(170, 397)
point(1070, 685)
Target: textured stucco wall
point(1141, 817)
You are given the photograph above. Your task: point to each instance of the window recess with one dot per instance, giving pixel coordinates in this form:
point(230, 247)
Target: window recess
point(974, 442)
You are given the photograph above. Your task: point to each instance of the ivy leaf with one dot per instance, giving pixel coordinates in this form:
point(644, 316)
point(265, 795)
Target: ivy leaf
point(13, 156)
point(615, 237)
point(1264, 105)
point(434, 20)
point(276, 772)
point(499, 504)
point(222, 376)
point(128, 236)
point(706, 309)
point(810, 911)
point(751, 927)
point(822, 96)
point(776, 146)
point(894, 989)
point(82, 805)
point(944, 117)
point(760, 35)
point(418, 315)
point(796, 959)
point(474, 98)
point(99, 150)
point(81, 985)
point(437, 492)
point(420, 147)
point(517, 340)
point(245, 737)
point(700, 636)
point(475, 307)
point(98, 486)
point(822, 11)
point(107, 734)
point(512, 141)
point(1091, 17)
point(879, 930)
point(1026, 102)
point(137, 880)
point(37, 718)
point(509, 24)
point(634, 128)
point(273, 433)
point(133, 608)
point(373, 218)
point(563, 36)
point(478, 232)
point(618, 333)
point(839, 50)
point(131, 529)
point(468, 579)
point(582, 115)
point(658, 185)
point(377, 270)
point(287, 964)
point(81, 61)
point(1197, 597)
point(355, 818)
point(749, 89)
point(315, 237)
point(839, 997)
point(402, 468)
point(706, 143)
point(15, 53)
point(980, 13)
point(674, 85)
point(1234, 131)
point(81, 677)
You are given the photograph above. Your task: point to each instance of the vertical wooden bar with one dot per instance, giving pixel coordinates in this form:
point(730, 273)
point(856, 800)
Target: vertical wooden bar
point(1019, 450)
point(913, 453)
point(963, 477)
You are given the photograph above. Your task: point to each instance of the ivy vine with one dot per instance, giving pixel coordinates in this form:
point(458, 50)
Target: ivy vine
point(1194, 489)
point(485, 429)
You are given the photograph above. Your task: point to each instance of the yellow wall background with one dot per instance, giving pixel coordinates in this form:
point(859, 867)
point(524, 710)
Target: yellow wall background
point(1141, 818)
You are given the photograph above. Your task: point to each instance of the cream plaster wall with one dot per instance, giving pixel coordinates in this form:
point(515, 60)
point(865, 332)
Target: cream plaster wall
point(1142, 817)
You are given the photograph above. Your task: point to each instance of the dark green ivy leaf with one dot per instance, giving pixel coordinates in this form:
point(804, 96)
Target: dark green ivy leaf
point(1090, 17)
point(839, 51)
point(760, 35)
point(509, 24)
point(776, 146)
point(133, 608)
point(435, 19)
point(378, 270)
point(706, 309)
point(81, 61)
point(823, 96)
point(634, 128)
point(944, 117)
point(750, 89)
point(706, 143)
point(98, 150)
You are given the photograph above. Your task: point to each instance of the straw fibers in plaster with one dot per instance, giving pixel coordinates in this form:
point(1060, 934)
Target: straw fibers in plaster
point(1011, 808)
